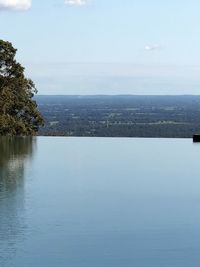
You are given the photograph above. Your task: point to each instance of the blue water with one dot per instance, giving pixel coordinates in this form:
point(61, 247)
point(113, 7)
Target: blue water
point(99, 202)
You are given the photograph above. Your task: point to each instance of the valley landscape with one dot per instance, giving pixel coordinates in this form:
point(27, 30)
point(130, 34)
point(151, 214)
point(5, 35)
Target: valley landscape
point(120, 116)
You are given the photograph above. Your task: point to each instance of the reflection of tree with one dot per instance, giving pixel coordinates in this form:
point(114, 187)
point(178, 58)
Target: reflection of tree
point(14, 153)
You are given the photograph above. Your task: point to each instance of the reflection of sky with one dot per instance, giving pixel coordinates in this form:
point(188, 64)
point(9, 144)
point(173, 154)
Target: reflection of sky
point(104, 202)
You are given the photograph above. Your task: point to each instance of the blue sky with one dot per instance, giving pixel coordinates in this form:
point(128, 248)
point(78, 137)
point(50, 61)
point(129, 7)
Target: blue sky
point(106, 46)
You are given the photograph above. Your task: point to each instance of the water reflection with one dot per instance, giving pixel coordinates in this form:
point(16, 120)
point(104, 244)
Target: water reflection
point(99, 202)
point(15, 153)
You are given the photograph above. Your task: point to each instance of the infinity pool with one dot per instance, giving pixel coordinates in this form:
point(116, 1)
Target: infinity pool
point(99, 202)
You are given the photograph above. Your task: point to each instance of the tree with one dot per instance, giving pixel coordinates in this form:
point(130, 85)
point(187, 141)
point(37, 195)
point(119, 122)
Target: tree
point(19, 114)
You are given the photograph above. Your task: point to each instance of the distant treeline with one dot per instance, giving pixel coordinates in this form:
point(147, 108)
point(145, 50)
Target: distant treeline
point(120, 116)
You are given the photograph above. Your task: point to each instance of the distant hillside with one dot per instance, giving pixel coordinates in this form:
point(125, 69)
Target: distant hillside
point(120, 116)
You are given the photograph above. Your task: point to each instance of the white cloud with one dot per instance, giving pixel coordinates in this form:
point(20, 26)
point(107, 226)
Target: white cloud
point(76, 2)
point(15, 4)
point(152, 47)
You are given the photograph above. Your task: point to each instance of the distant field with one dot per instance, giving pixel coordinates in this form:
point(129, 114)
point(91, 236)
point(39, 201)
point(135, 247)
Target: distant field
point(120, 116)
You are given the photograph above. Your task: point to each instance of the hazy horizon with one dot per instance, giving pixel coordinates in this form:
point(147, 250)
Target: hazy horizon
point(118, 95)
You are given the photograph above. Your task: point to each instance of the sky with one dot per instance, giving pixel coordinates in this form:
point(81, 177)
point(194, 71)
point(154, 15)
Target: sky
point(106, 46)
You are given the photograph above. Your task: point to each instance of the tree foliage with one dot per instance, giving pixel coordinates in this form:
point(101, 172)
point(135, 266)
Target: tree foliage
point(19, 114)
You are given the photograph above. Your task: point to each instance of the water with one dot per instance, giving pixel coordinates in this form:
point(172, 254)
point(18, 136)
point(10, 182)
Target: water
point(98, 202)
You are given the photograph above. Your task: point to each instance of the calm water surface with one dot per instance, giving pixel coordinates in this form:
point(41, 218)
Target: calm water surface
point(98, 202)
